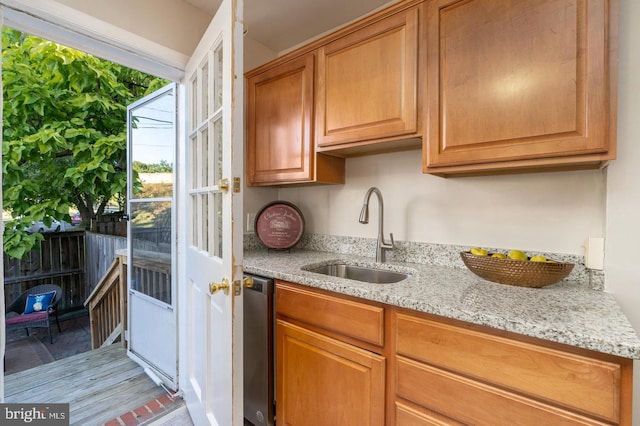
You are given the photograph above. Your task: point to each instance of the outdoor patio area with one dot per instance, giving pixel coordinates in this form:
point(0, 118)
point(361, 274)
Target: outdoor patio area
point(24, 352)
point(102, 387)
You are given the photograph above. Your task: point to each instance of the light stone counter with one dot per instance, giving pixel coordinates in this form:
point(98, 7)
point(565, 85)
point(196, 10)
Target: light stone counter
point(567, 312)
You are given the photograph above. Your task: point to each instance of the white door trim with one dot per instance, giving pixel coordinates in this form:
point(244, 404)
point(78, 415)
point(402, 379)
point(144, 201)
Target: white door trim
point(60, 24)
point(65, 25)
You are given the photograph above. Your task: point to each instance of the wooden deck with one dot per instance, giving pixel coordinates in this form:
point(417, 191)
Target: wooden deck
point(99, 385)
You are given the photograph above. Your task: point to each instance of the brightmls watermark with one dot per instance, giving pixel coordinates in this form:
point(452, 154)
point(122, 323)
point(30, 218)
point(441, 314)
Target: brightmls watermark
point(34, 414)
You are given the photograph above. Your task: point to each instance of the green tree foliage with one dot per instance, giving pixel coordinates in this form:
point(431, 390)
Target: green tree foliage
point(162, 167)
point(64, 132)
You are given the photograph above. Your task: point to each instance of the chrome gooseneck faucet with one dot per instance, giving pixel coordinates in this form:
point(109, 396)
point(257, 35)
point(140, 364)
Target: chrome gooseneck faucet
point(364, 218)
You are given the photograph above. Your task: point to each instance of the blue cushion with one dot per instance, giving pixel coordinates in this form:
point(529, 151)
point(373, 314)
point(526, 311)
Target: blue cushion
point(39, 302)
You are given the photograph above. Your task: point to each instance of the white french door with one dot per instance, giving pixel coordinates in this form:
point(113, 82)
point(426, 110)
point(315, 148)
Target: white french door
point(151, 290)
point(210, 202)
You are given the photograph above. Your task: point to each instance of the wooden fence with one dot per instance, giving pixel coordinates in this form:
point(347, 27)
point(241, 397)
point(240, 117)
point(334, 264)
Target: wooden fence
point(101, 251)
point(77, 261)
point(60, 261)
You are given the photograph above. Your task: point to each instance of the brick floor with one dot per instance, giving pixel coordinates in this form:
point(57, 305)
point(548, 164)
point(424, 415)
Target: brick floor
point(145, 413)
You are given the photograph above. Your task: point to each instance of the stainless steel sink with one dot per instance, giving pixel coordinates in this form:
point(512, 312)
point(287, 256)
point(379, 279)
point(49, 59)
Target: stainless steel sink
point(360, 273)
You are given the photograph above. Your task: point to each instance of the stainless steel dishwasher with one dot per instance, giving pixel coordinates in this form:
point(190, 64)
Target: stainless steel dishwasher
point(259, 359)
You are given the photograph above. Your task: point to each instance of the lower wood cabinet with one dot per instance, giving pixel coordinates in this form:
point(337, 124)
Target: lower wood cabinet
point(322, 381)
point(329, 366)
point(346, 361)
point(408, 416)
point(472, 375)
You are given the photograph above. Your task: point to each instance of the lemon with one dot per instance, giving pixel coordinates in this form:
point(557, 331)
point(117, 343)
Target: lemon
point(517, 255)
point(499, 255)
point(538, 259)
point(479, 251)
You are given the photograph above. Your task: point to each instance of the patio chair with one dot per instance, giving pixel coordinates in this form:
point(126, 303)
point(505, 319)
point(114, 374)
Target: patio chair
point(38, 316)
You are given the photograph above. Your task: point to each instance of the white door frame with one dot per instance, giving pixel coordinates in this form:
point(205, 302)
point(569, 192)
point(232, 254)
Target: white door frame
point(57, 22)
point(60, 23)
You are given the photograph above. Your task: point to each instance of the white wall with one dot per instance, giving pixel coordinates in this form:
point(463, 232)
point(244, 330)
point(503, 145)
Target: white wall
point(547, 212)
point(256, 53)
point(155, 20)
point(622, 258)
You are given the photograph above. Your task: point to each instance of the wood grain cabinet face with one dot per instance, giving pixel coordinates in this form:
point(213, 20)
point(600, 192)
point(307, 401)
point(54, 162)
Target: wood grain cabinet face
point(322, 381)
point(280, 146)
point(348, 318)
point(340, 360)
point(520, 83)
point(478, 378)
point(367, 82)
point(324, 376)
point(407, 416)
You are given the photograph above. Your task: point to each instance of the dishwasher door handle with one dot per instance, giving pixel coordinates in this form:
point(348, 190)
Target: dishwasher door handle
point(247, 282)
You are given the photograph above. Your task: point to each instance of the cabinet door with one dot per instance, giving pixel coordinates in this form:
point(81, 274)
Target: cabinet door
point(279, 123)
point(367, 82)
point(321, 381)
point(517, 81)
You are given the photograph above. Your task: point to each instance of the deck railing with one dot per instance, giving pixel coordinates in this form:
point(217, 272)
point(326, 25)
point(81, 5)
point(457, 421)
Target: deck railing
point(107, 303)
point(107, 306)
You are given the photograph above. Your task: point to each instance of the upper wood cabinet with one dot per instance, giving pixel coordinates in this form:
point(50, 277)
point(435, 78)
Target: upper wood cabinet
point(280, 147)
point(526, 84)
point(351, 92)
point(367, 82)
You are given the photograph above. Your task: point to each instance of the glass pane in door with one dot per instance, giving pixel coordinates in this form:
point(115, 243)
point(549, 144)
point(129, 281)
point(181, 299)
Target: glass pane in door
point(205, 157)
point(152, 134)
point(151, 249)
point(218, 74)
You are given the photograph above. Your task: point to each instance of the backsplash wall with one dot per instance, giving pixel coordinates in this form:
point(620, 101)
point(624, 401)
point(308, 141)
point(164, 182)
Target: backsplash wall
point(423, 253)
point(546, 212)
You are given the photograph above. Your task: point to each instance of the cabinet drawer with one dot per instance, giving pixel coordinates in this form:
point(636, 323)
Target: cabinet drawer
point(407, 416)
point(472, 402)
point(586, 384)
point(349, 318)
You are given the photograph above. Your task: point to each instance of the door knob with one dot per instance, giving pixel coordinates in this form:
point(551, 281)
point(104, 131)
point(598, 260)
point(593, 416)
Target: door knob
point(216, 287)
point(223, 185)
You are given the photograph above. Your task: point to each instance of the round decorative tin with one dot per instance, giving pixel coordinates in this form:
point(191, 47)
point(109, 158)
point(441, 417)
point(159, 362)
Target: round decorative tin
point(279, 225)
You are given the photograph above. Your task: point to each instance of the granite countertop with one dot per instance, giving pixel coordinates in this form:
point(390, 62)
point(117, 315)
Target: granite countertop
point(565, 312)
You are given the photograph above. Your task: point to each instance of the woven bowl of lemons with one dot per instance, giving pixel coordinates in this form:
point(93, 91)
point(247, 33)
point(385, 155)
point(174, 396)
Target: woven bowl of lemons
point(515, 268)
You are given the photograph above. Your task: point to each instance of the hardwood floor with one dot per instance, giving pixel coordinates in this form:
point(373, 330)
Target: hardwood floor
point(99, 385)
